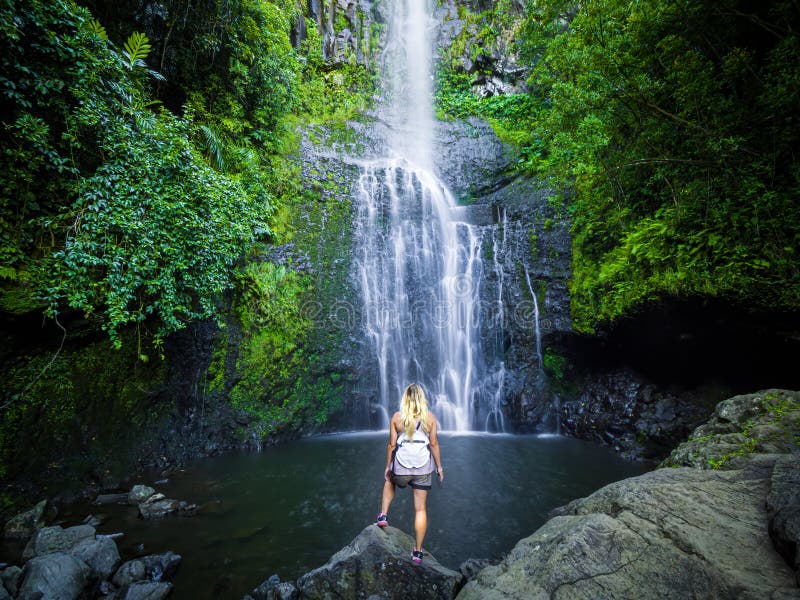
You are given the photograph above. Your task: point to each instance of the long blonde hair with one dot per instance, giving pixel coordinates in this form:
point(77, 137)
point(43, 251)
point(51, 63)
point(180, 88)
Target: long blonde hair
point(414, 406)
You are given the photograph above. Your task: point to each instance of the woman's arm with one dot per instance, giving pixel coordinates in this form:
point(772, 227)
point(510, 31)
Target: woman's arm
point(390, 448)
point(434, 446)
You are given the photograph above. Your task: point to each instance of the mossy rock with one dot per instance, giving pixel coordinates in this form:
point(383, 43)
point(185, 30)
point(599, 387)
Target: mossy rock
point(766, 422)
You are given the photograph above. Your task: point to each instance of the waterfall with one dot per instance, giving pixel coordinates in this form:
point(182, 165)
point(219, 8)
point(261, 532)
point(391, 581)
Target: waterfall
point(418, 266)
point(495, 420)
point(536, 328)
point(556, 406)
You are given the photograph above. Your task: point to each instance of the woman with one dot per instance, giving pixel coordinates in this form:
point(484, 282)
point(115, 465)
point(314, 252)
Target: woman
point(411, 459)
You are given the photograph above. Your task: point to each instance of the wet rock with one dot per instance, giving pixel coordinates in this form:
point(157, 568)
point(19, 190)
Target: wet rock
point(472, 566)
point(100, 555)
point(10, 578)
point(273, 589)
point(624, 410)
point(140, 493)
point(4, 595)
point(133, 570)
point(375, 561)
point(158, 507)
point(56, 576)
point(55, 539)
point(161, 566)
point(672, 533)
point(145, 590)
point(23, 525)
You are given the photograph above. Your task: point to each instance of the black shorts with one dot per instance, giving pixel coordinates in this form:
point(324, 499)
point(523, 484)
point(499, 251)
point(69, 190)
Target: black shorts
point(417, 482)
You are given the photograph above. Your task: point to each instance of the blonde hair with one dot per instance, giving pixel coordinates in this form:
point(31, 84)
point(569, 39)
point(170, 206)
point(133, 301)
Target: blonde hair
point(414, 406)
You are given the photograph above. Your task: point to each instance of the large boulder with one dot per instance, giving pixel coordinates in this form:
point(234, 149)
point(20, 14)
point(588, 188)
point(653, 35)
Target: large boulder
point(55, 539)
point(56, 576)
point(100, 555)
point(671, 533)
point(23, 525)
point(377, 562)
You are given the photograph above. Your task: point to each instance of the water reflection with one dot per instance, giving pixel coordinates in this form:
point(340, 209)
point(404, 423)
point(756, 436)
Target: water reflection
point(288, 509)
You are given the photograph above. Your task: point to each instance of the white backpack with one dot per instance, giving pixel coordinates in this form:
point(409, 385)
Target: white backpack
point(415, 453)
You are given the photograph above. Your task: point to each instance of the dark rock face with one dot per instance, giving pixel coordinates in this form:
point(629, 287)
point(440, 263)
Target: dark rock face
point(636, 417)
point(57, 576)
point(378, 562)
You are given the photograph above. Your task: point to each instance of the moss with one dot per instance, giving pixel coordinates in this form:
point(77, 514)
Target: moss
point(82, 414)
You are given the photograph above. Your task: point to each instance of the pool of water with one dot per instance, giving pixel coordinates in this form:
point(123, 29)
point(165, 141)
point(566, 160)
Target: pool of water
point(288, 509)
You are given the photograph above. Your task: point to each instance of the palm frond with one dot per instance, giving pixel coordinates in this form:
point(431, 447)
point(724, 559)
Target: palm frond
point(214, 147)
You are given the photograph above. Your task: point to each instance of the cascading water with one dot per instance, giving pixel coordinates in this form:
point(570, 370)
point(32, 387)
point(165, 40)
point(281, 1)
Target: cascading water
point(419, 266)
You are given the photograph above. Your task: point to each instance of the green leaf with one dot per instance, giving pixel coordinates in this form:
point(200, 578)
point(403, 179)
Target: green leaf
point(135, 50)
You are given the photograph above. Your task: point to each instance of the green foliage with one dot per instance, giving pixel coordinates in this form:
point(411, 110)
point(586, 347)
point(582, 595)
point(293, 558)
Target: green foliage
point(555, 364)
point(278, 384)
point(106, 207)
point(326, 94)
point(510, 115)
point(675, 124)
point(135, 49)
point(82, 414)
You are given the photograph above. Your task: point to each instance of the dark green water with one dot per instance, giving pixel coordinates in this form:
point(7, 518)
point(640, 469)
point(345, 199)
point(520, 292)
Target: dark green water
point(288, 509)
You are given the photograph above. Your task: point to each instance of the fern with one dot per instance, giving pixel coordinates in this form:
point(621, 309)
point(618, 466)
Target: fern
point(135, 50)
point(97, 29)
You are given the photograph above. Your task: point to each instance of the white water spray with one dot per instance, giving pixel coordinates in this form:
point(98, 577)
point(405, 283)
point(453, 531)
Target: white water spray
point(418, 267)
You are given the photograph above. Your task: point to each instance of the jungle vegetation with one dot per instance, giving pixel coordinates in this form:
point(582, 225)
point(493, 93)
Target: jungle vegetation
point(671, 128)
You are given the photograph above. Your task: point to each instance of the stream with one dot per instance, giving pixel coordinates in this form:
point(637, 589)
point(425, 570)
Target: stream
point(286, 510)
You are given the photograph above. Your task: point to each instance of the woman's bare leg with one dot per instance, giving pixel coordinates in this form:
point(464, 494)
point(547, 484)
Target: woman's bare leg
point(388, 496)
point(420, 516)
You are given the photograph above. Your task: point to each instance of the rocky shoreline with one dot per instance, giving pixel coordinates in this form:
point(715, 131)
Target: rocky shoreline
point(720, 518)
point(76, 562)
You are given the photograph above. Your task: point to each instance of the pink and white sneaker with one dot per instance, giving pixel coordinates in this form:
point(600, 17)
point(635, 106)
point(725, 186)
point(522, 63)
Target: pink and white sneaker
point(383, 520)
point(416, 556)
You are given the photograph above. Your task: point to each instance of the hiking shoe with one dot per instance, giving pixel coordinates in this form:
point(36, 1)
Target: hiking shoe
point(416, 556)
point(383, 520)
